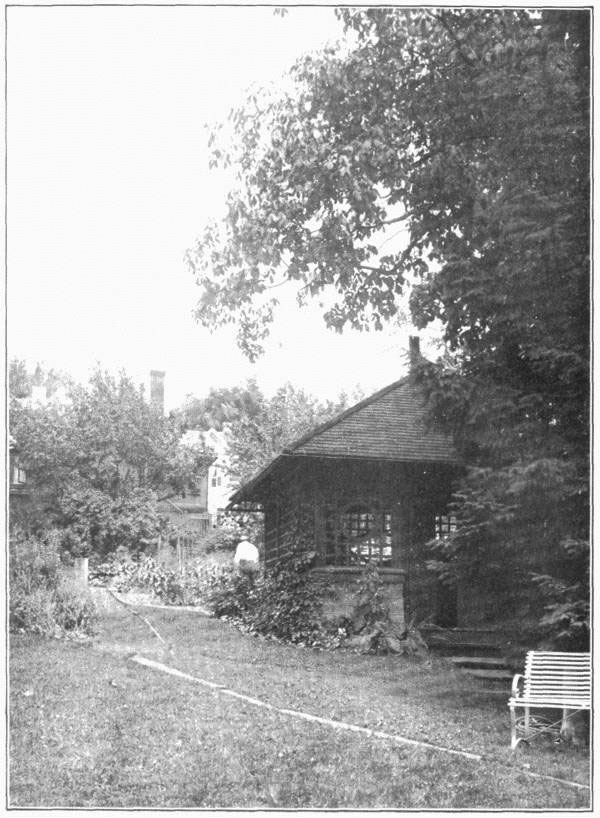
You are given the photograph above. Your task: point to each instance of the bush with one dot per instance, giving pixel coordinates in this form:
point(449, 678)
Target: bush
point(32, 611)
point(34, 562)
point(232, 594)
point(284, 603)
point(109, 572)
point(74, 609)
point(371, 606)
point(40, 600)
point(73, 543)
point(219, 539)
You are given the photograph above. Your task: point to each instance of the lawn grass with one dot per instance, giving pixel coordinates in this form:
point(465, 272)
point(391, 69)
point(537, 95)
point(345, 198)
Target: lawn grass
point(90, 728)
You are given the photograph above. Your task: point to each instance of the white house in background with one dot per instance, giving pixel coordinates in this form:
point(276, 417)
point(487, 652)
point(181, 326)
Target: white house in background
point(201, 508)
point(219, 486)
point(214, 487)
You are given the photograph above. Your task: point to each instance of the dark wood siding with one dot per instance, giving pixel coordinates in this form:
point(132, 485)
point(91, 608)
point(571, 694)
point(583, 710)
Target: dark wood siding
point(317, 491)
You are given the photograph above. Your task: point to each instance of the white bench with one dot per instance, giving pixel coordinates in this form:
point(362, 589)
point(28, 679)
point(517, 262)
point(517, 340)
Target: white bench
point(552, 681)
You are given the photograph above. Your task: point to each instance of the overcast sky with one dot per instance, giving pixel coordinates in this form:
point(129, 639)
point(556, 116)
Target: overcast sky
point(108, 185)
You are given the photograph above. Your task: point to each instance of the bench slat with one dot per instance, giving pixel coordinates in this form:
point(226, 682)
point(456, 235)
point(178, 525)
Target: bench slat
point(557, 674)
point(552, 694)
point(552, 684)
point(558, 680)
point(562, 663)
point(554, 697)
point(555, 679)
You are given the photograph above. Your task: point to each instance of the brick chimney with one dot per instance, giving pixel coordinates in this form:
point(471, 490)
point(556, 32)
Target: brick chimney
point(157, 390)
point(414, 351)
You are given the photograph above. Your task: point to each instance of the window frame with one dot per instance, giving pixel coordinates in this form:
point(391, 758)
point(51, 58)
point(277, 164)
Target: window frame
point(356, 534)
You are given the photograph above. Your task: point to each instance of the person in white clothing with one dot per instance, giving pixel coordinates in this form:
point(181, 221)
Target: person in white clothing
point(246, 558)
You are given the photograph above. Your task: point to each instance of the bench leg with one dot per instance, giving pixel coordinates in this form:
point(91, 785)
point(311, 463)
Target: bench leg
point(564, 725)
point(513, 728)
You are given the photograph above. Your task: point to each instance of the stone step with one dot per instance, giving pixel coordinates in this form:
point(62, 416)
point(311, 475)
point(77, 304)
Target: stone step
point(469, 648)
point(489, 675)
point(491, 635)
point(489, 662)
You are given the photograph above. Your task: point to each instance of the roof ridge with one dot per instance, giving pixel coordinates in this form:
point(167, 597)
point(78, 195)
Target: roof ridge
point(345, 414)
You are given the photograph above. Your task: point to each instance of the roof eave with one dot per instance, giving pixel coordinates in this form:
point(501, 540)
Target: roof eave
point(242, 494)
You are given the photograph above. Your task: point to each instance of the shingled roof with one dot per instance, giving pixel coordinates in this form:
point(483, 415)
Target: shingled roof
point(386, 426)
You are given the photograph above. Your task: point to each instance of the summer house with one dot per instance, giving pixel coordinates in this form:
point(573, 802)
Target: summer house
point(372, 484)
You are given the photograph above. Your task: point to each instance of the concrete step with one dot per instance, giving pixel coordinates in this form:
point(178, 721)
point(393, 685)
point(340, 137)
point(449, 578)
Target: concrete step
point(482, 662)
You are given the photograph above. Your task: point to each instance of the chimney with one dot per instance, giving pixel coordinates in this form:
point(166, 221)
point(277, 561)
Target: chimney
point(414, 351)
point(157, 390)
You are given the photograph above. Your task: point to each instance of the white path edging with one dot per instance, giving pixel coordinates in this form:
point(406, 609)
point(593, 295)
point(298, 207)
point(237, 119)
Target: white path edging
point(193, 608)
point(339, 725)
point(142, 604)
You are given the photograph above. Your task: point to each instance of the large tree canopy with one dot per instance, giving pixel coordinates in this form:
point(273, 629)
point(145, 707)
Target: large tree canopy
point(467, 127)
point(221, 406)
point(98, 461)
point(444, 152)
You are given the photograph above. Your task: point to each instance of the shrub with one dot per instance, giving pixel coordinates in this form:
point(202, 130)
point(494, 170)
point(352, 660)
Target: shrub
point(284, 603)
point(32, 611)
point(232, 594)
point(40, 600)
point(108, 572)
point(74, 609)
point(74, 543)
point(34, 562)
point(371, 605)
point(289, 605)
point(219, 539)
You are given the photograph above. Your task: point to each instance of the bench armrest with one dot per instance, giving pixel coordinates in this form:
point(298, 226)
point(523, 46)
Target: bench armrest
point(515, 684)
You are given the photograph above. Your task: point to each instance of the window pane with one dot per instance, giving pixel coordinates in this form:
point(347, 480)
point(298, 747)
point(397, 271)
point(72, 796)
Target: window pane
point(356, 536)
point(444, 524)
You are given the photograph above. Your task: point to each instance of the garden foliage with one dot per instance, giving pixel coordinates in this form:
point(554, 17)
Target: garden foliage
point(43, 599)
point(190, 586)
point(284, 602)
